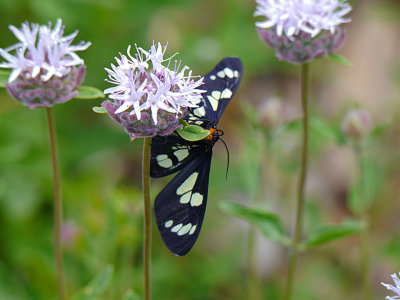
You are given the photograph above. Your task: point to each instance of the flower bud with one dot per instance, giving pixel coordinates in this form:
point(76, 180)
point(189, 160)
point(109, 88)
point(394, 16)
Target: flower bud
point(35, 92)
point(271, 112)
point(357, 123)
point(302, 48)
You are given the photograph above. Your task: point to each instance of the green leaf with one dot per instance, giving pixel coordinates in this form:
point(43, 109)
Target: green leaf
point(378, 130)
point(4, 75)
point(328, 233)
point(364, 190)
point(96, 286)
point(340, 59)
point(99, 110)
point(131, 295)
point(192, 132)
point(269, 223)
point(88, 92)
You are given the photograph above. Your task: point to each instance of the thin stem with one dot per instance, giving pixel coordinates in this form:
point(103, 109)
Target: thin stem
point(147, 218)
point(58, 213)
point(301, 185)
point(252, 279)
point(364, 234)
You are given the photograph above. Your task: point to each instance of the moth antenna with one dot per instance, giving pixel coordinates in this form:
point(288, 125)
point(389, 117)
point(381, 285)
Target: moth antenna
point(227, 163)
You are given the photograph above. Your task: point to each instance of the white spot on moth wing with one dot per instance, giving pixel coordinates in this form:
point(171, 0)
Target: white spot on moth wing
point(198, 122)
point(228, 72)
point(200, 112)
point(197, 101)
point(216, 94)
point(181, 154)
point(221, 74)
point(185, 229)
point(213, 77)
point(164, 161)
point(226, 93)
point(197, 199)
point(214, 102)
point(185, 198)
point(168, 224)
point(161, 157)
point(193, 229)
point(236, 73)
point(176, 228)
point(188, 184)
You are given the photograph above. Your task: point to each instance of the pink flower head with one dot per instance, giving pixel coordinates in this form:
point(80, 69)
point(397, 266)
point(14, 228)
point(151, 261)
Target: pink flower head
point(301, 30)
point(149, 98)
point(45, 68)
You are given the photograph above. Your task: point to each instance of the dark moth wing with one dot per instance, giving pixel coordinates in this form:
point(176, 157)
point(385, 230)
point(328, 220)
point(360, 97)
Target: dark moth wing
point(171, 153)
point(221, 83)
point(180, 207)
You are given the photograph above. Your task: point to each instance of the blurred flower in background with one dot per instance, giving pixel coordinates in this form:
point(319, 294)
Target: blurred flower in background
point(271, 112)
point(301, 30)
point(45, 68)
point(357, 123)
point(69, 233)
point(148, 98)
point(395, 289)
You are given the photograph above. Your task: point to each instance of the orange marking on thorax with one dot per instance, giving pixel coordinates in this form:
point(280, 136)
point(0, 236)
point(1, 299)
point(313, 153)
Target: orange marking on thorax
point(210, 136)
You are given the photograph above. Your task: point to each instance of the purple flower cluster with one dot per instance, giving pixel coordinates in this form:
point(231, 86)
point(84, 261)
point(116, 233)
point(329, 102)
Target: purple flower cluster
point(148, 98)
point(45, 68)
point(302, 48)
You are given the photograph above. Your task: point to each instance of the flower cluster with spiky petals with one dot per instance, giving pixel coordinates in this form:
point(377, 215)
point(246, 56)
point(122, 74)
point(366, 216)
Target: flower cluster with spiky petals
point(301, 30)
point(148, 98)
point(395, 289)
point(45, 68)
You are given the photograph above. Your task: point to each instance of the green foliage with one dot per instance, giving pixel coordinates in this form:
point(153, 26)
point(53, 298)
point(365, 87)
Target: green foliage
point(131, 295)
point(100, 110)
point(366, 188)
point(269, 223)
point(192, 132)
point(96, 286)
point(340, 59)
point(329, 233)
point(89, 92)
point(4, 77)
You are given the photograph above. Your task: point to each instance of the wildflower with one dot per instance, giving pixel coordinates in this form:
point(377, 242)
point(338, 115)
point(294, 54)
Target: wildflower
point(301, 30)
point(69, 233)
point(395, 289)
point(271, 112)
point(149, 98)
point(357, 123)
point(45, 68)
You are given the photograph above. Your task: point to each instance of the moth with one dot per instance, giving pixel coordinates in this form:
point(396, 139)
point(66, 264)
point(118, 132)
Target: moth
point(180, 207)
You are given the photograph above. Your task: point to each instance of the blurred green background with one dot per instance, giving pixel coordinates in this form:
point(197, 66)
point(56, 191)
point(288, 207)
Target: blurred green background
point(101, 167)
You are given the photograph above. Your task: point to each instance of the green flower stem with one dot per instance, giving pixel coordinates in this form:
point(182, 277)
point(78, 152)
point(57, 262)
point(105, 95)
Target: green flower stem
point(253, 286)
point(305, 73)
point(364, 234)
point(147, 218)
point(58, 210)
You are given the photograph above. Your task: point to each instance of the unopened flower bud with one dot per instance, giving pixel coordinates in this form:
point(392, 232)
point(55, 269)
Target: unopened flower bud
point(271, 113)
point(69, 233)
point(357, 123)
